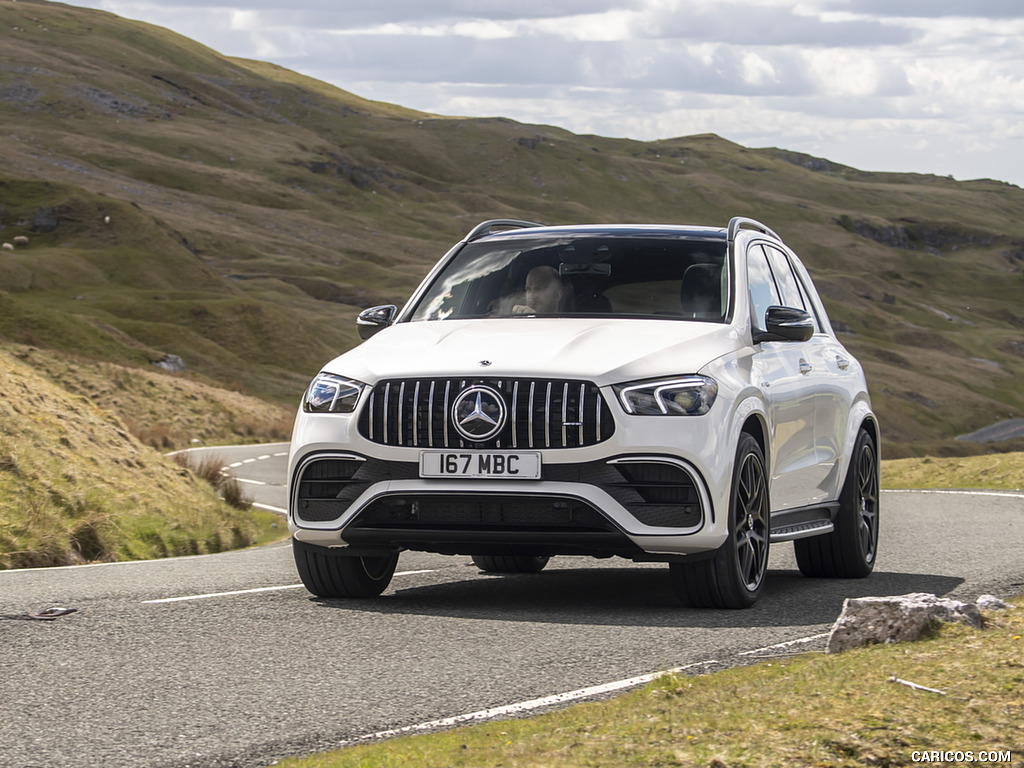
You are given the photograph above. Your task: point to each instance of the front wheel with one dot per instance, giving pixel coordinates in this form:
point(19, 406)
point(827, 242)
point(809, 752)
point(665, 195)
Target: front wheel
point(733, 577)
point(326, 573)
point(849, 552)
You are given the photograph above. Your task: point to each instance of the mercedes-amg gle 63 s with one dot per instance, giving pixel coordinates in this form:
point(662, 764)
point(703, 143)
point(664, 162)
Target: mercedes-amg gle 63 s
point(659, 393)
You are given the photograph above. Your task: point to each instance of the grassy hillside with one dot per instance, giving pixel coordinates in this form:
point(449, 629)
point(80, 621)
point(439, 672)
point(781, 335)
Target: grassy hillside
point(238, 215)
point(75, 486)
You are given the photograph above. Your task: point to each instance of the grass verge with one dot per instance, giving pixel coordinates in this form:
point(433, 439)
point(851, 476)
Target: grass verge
point(76, 487)
point(210, 467)
point(807, 710)
point(1003, 471)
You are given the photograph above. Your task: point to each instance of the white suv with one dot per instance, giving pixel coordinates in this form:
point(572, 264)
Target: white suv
point(659, 393)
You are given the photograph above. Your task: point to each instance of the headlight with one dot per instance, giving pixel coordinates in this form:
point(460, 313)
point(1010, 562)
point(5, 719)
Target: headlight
point(684, 396)
point(331, 394)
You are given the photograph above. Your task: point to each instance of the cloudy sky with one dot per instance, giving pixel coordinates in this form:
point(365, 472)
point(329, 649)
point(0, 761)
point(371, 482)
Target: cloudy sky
point(929, 86)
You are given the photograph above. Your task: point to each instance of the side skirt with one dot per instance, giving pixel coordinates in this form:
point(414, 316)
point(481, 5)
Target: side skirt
point(803, 522)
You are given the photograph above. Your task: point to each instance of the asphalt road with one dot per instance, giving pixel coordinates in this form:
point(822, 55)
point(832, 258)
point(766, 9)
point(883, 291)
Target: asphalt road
point(225, 660)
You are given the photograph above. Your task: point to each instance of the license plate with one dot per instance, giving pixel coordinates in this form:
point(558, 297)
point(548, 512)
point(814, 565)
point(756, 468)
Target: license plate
point(513, 466)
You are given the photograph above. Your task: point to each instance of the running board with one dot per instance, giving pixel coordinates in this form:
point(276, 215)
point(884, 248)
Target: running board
point(801, 530)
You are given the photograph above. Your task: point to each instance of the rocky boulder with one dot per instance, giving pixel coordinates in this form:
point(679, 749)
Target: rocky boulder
point(879, 620)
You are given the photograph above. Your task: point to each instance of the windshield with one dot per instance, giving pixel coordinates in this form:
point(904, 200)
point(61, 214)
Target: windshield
point(682, 278)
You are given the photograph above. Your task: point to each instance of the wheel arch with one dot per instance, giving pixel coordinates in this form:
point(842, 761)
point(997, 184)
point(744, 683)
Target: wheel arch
point(755, 426)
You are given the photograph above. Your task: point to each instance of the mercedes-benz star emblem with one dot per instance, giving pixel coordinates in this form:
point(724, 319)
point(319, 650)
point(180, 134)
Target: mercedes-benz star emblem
point(478, 413)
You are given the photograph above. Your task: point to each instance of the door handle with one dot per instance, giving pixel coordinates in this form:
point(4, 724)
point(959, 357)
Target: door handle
point(805, 367)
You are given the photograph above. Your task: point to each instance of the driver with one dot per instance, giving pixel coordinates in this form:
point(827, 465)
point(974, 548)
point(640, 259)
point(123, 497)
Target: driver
point(546, 293)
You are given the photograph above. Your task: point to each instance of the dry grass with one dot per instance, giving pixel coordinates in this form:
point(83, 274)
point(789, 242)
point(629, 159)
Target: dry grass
point(995, 471)
point(210, 468)
point(165, 411)
point(76, 487)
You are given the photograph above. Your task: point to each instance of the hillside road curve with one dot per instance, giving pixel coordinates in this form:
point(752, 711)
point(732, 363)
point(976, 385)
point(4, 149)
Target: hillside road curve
point(225, 660)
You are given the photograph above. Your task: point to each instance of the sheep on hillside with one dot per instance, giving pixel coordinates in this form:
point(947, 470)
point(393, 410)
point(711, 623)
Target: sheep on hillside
point(7, 247)
point(20, 240)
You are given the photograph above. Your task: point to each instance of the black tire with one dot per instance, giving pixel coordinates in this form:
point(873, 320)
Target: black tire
point(733, 577)
point(326, 573)
point(510, 563)
point(850, 551)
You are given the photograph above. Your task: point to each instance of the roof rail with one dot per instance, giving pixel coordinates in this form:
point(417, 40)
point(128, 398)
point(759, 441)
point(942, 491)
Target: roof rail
point(738, 222)
point(487, 227)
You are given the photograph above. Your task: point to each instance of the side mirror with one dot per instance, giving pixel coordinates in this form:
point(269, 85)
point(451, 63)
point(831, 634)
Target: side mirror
point(786, 324)
point(375, 319)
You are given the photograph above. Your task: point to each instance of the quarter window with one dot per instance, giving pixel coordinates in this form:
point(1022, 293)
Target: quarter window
point(764, 292)
point(787, 282)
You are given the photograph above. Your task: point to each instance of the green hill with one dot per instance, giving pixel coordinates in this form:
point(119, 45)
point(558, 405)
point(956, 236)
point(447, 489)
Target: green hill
point(238, 215)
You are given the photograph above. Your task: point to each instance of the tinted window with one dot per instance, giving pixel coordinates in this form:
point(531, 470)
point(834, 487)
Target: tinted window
point(645, 276)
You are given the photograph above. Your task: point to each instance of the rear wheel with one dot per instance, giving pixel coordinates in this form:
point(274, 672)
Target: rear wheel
point(327, 573)
point(849, 552)
point(510, 563)
point(733, 577)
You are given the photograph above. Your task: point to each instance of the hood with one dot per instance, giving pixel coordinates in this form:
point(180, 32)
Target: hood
point(600, 350)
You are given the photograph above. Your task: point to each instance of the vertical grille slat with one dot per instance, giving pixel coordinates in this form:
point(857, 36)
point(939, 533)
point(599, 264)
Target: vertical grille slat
point(529, 425)
point(400, 424)
point(430, 417)
point(416, 414)
point(565, 414)
point(541, 413)
point(583, 397)
point(547, 417)
point(444, 416)
point(513, 415)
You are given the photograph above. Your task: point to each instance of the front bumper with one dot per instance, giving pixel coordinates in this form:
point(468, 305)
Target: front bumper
point(656, 489)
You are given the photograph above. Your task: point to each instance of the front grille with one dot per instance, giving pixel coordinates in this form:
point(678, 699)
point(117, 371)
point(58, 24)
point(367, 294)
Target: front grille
point(541, 413)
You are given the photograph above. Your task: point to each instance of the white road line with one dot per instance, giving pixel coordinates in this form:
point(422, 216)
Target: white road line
point(220, 594)
point(524, 706)
point(248, 482)
point(787, 644)
point(269, 508)
point(208, 595)
point(1004, 494)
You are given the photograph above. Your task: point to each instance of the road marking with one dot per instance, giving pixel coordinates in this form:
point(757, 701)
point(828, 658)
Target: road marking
point(269, 508)
point(1003, 494)
point(221, 594)
point(525, 706)
point(253, 591)
point(249, 482)
point(787, 644)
